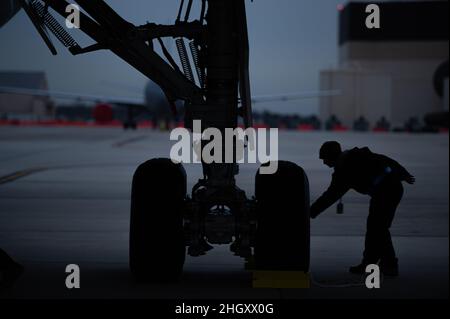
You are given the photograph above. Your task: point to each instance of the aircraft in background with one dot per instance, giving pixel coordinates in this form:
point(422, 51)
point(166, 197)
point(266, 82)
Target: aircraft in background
point(154, 102)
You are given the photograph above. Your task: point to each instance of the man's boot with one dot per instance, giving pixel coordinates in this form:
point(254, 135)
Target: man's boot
point(361, 268)
point(389, 267)
point(10, 274)
point(10, 270)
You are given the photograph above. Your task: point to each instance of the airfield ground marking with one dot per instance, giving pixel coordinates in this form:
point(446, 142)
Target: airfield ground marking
point(130, 140)
point(20, 174)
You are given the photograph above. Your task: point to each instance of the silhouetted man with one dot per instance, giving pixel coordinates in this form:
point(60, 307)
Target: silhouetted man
point(377, 176)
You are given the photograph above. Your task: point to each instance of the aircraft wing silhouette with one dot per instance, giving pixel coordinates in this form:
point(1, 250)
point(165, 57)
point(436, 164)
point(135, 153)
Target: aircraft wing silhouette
point(119, 101)
point(140, 102)
point(294, 96)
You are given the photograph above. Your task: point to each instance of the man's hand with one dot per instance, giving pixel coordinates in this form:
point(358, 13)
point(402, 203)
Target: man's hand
point(410, 179)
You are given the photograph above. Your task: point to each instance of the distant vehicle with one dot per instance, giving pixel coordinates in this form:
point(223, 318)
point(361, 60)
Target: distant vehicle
point(437, 121)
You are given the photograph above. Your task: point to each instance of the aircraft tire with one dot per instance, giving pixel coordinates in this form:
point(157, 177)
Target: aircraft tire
point(283, 228)
point(157, 245)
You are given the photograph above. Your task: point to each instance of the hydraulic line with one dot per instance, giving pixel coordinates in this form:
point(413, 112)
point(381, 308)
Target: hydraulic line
point(167, 55)
point(188, 11)
point(180, 10)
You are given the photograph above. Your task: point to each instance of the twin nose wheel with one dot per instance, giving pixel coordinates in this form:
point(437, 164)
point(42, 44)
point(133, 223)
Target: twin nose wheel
point(157, 238)
point(157, 246)
point(282, 207)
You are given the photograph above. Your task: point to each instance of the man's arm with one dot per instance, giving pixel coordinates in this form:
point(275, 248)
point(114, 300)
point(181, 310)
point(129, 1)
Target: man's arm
point(336, 190)
point(398, 169)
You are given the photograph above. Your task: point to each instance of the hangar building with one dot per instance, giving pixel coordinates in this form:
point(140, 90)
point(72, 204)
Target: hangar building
point(399, 71)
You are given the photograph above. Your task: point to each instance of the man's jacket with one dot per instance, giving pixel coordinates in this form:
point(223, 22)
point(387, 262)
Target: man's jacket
point(361, 170)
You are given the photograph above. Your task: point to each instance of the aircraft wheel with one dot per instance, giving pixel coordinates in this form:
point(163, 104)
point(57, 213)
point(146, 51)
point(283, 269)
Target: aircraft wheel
point(157, 245)
point(283, 235)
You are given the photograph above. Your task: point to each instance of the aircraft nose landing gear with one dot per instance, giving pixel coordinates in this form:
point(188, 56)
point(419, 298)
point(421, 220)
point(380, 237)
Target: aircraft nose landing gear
point(273, 228)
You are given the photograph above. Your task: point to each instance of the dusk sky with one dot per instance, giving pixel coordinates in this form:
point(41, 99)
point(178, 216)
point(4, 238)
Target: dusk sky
point(290, 42)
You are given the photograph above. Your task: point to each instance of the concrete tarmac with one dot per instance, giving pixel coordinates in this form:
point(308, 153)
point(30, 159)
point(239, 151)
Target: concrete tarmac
point(65, 197)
